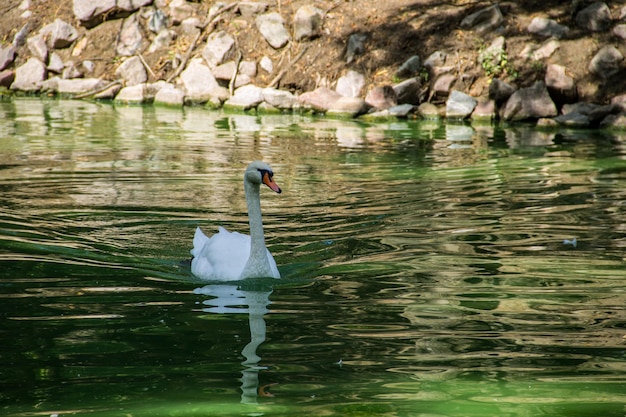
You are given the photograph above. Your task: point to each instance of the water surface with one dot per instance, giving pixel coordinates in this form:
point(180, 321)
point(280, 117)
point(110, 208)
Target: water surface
point(428, 269)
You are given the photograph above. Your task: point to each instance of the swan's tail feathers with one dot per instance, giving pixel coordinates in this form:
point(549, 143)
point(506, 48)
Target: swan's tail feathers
point(199, 240)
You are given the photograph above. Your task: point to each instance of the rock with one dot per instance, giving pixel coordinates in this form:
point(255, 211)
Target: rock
point(246, 97)
point(460, 105)
point(55, 63)
point(219, 47)
point(20, 37)
point(500, 91)
point(108, 93)
point(320, 99)
point(130, 37)
point(162, 40)
point(594, 112)
point(136, 94)
point(540, 53)
point(251, 8)
point(606, 62)
point(620, 31)
point(429, 111)
point(272, 28)
point(59, 34)
point(348, 107)
point(307, 22)
point(199, 83)
point(529, 103)
point(547, 27)
point(78, 85)
point(409, 68)
point(179, 11)
point(351, 84)
point(443, 85)
point(88, 66)
point(7, 56)
point(434, 60)
point(247, 68)
point(561, 86)
point(157, 21)
point(170, 95)
point(70, 71)
point(6, 78)
point(279, 98)
point(596, 17)
point(191, 26)
point(266, 64)
point(91, 13)
point(382, 98)
point(407, 91)
point(38, 48)
point(225, 71)
point(29, 76)
point(573, 119)
point(614, 121)
point(485, 20)
point(356, 46)
point(132, 71)
point(620, 102)
point(484, 110)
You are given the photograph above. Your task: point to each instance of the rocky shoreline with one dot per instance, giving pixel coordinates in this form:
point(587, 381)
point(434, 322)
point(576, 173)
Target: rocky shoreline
point(197, 59)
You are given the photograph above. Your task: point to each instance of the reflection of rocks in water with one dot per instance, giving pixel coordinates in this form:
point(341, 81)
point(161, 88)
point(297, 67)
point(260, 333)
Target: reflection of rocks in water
point(230, 299)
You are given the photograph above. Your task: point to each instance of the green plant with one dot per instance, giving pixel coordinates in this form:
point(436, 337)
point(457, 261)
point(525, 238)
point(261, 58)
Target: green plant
point(496, 63)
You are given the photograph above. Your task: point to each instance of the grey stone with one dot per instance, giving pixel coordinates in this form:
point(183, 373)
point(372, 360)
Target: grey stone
point(71, 71)
point(351, 84)
point(272, 28)
point(436, 59)
point(484, 110)
point(307, 22)
point(356, 46)
point(547, 27)
point(108, 93)
point(225, 71)
point(382, 97)
point(29, 76)
point(132, 71)
point(38, 48)
point(247, 68)
point(460, 105)
point(157, 21)
point(407, 91)
point(136, 94)
point(443, 85)
point(348, 107)
point(561, 86)
point(573, 119)
point(251, 8)
point(500, 90)
point(91, 13)
point(596, 17)
point(429, 111)
point(219, 47)
point(279, 98)
point(266, 64)
point(78, 85)
point(485, 20)
point(55, 63)
point(606, 62)
point(180, 10)
point(170, 95)
point(529, 103)
point(130, 37)
point(320, 99)
point(199, 83)
point(59, 34)
point(162, 40)
point(620, 31)
point(409, 68)
point(7, 56)
point(7, 77)
point(246, 97)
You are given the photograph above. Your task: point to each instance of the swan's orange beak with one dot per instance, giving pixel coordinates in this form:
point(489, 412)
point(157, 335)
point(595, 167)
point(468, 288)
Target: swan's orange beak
point(269, 181)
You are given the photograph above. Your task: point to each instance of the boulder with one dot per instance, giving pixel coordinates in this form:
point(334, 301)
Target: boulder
point(529, 103)
point(351, 84)
point(245, 98)
point(429, 111)
point(266, 64)
point(443, 84)
point(132, 71)
point(170, 95)
point(219, 47)
point(130, 37)
point(78, 85)
point(37, 47)
point(382, 97)
point(485, 20)
point(307, 22)
point(596, 17)
point(547, 27)
point(279, 99)
point(500, 91)
point(55, 63)
point(460, 105)
point(539, 53)
point(198, 82)
point(7, 56)
point(272, 28)
point(410, 67)
point(162, 40)
point(320, 99)
point(408, 91)
point(356, 46)
point(6, 78)
point(606, 62)
point(484, 110)
point(91, 13)
point(29, 76)
point(562, 87)
point(179, 10)
point(348, 107)
point(620, 31)
point(59, 34)
point(251, 8)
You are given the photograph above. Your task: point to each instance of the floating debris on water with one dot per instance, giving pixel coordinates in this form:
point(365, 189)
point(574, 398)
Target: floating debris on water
point(571, 242)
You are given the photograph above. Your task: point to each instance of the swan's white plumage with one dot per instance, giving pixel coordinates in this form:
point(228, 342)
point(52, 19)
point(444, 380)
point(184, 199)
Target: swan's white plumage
point(230, 256)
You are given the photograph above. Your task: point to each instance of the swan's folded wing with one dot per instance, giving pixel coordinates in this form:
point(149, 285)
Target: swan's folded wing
point(220, 257)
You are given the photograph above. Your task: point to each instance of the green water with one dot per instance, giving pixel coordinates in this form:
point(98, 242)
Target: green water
point(428, 269)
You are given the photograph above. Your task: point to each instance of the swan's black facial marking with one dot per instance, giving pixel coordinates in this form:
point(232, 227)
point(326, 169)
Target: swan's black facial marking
point(267, 178)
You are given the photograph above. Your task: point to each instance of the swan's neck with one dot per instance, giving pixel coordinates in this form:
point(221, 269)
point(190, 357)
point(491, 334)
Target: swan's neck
point(258, 264)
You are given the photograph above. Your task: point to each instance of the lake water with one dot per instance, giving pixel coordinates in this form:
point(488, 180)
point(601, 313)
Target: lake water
point(428, 269)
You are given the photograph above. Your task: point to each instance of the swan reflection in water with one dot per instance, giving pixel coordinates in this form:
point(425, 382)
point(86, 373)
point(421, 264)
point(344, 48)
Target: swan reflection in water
point(230, 299)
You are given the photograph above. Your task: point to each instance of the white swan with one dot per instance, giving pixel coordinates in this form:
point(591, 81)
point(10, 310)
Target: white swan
point(227, 256)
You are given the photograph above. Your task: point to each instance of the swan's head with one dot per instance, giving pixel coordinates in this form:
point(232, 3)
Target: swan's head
point(259, 172)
